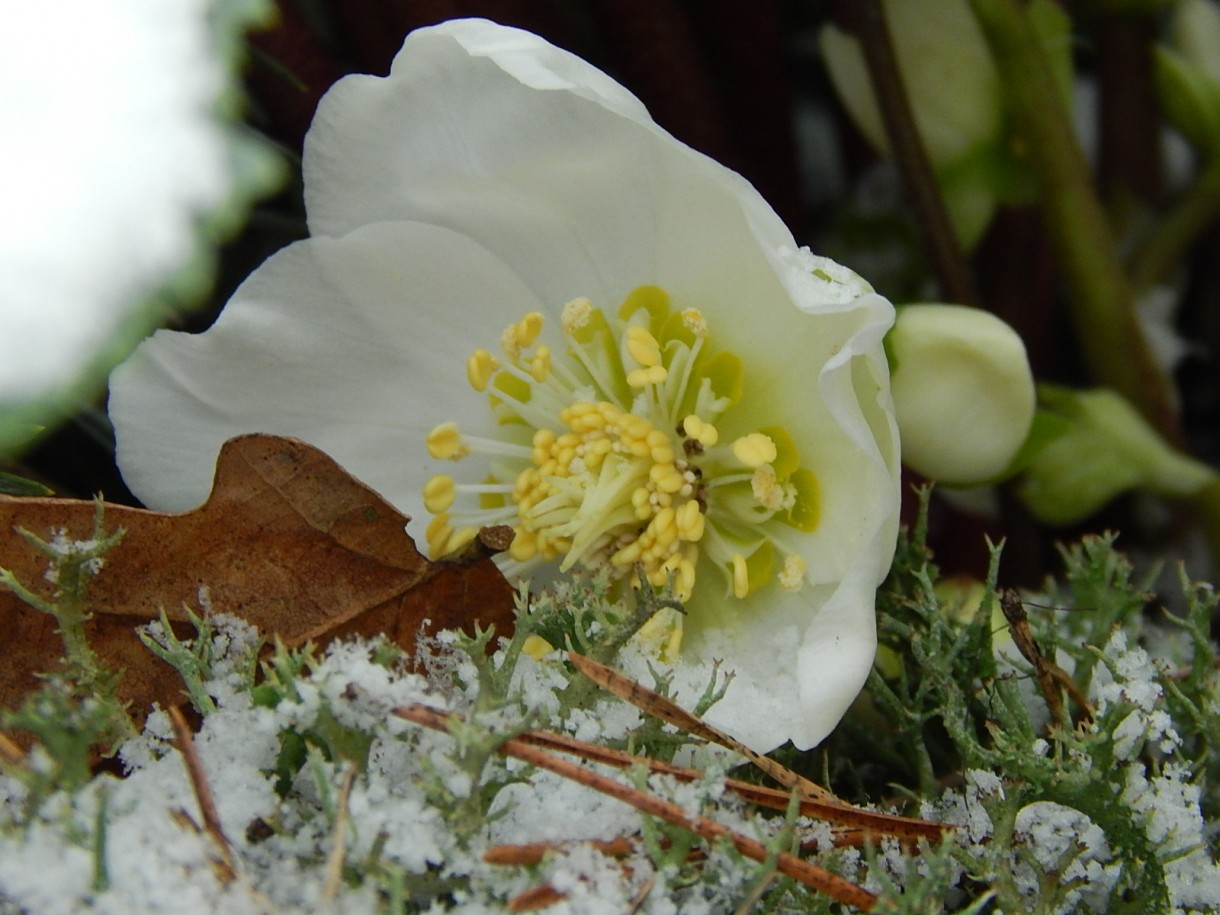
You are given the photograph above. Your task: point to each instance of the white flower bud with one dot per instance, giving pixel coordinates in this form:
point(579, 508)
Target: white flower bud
point(1195, 33)
point(946, 67)
point(963, 392)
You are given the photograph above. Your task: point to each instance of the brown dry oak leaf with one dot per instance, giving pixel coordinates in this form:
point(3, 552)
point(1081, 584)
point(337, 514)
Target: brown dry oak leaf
point(288, 540)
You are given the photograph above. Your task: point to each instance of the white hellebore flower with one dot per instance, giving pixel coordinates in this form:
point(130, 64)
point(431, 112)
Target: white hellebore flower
point(660, 377)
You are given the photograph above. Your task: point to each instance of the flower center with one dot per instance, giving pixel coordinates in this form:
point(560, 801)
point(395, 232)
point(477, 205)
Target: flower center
point(610, 457)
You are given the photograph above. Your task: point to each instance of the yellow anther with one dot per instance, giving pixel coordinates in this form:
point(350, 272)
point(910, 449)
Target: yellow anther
point(668, 480)
point(481, 366)
point(662, 454)
point(458, 539)
point(664, 631)
point(437, 535)
point(439, 493)
point(524, 546)
point(754, 450)
point(544, 439)
point(445, 443)
point(576, 315)
point(528, 328)
point(682, 571)
point(694, 321)
point(540, 365)
point(690, 521)
point(610, 483)
point(741, 577)
point(640, 378)
point(520, 336)
point(643, 347)
point(640, 501)
point(792, 576)
point(536, 647)
point(704, 433)
point(628, 555)
point(663, 528)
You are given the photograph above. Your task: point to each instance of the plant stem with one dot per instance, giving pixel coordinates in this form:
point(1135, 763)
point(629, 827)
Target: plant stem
point(952, 271)
point(1101, 298)
point(1153, 261)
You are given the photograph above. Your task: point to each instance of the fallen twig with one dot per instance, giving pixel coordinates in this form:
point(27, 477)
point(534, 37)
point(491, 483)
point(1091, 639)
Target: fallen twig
point(660, 707)
point(808, 874)
point(334, 860)
point(203, 794)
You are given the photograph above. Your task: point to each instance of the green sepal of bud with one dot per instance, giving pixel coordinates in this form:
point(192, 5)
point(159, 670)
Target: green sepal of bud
point(1188, 74)
point(1104, 448)
point(1190, 100)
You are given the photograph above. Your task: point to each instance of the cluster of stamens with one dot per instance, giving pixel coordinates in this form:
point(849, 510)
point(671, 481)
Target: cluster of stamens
point(611, 457)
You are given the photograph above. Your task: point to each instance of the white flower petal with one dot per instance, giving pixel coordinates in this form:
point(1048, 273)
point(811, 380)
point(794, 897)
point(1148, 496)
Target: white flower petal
point(797, 671)
point(340, 342)
point(573, 182)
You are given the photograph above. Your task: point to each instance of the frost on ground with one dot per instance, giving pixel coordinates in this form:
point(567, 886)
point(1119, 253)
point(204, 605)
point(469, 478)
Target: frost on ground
point(331, 802)
point(411, 839)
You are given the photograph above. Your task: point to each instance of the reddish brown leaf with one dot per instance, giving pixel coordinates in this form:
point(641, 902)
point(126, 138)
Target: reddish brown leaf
point(288, 540)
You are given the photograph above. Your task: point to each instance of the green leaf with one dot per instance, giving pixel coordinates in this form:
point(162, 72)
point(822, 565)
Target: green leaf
point(1190, 100)
point(13, 485)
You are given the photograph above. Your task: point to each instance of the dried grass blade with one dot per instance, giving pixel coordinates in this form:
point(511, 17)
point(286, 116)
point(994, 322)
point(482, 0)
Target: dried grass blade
point(203, 793)
point(338, 848)
point(804, 872)
point(761, 796)
point(531, 853)
point(538, 897)
point(660, 707)
point(10, 752)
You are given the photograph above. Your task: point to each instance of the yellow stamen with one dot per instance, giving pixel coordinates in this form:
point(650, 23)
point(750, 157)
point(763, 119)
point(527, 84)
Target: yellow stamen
point(620, 478)
point(437, 534)
point(663, 631)
point(439, 493)
point(741, 577)
point(690, 522)
point(458, 539)
point(653, 374)
point(754, 450)
point(540, 365)
point(445, 443)
point(643, 346)
point(704, 433)
point(528, 328)
point(520, 336)
point(480, 368)
point(524, 546)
